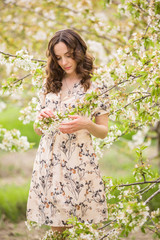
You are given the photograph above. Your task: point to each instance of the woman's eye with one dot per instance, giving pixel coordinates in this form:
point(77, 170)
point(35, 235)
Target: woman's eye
point(68, 56)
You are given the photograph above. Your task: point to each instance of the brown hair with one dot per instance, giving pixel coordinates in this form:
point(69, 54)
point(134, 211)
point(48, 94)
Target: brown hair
point(84, 60)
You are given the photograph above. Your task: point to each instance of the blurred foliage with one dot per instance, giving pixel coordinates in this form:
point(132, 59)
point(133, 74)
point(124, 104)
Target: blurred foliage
point(13, 200)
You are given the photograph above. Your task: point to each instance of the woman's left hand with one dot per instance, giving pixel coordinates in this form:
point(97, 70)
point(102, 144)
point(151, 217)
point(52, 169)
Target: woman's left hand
point(78, 123)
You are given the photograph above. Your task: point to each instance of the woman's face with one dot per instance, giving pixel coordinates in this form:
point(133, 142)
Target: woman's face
point(64, 58)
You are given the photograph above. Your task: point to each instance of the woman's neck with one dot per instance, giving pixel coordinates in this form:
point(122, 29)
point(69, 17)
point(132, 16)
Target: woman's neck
point(72, 77)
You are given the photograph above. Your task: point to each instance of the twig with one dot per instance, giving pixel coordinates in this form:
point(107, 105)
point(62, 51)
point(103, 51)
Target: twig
point(143, 97)
point(140, 191)
point(137, 183)
point(146, 189)
point(152, 196)
point(113, 230)
point(154, 224)
point(107, 224)
point(129, 128)
point(20, 79)
point(117, 84)
point(151, 229)
point(137, 6)
point(142, 10)
point(146, 30)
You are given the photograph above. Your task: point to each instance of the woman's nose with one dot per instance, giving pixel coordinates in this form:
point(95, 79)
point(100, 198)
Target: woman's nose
point(64, 61)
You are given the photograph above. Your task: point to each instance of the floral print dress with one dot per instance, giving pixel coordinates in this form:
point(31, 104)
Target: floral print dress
point(66, 180)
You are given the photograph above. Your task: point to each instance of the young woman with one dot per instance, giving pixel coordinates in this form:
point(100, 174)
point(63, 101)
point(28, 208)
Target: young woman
point(66, 180)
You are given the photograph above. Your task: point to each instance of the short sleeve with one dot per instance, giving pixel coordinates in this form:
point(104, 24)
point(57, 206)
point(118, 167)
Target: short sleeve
point(103, 101)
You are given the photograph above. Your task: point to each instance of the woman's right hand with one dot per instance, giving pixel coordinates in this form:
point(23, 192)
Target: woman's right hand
point(46, 112)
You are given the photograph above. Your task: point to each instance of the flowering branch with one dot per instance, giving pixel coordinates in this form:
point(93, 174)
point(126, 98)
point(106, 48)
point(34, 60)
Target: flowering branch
point(16, 56)
point(20, 79)
point(107, 224)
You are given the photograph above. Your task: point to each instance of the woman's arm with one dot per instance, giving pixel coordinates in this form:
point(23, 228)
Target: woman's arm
point(98, 129)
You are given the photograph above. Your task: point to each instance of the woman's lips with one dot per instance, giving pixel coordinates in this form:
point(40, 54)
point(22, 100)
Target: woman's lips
point(67, 68)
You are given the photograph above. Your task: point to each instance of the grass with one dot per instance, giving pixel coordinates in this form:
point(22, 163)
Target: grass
point(13, 200)
point(9, 120)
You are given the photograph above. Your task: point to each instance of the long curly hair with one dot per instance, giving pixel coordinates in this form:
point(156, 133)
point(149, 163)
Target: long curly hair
point(84, 60)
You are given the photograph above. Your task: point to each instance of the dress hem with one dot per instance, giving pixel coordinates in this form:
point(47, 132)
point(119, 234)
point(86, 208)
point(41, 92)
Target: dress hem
point(65, 225)
point(49, 224)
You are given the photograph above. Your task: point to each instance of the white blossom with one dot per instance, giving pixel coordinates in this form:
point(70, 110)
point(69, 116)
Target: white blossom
point(13, 141)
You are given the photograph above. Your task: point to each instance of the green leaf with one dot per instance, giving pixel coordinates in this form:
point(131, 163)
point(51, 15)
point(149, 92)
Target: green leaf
point(157, 8)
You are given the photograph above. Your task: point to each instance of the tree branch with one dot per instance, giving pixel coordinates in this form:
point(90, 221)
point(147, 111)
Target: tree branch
point(142, 10)
point(20, 79)
point(107, 224)
point(152, 196)
point(113, 230)
point(117, 84)
point(15, 56)
point(154, 224)
point(137, 183)
point(147, 188)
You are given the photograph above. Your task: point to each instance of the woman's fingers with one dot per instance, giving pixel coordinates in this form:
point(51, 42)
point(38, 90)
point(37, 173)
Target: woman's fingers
point(39, 116)
point(66, 129)
point(50, 113)
point(46, 113)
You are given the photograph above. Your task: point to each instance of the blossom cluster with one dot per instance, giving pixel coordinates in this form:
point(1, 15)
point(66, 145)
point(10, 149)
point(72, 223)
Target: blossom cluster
point(22, 60)
point(133, 214)
point(113, 134)
point(141, 170)
point(128, 210)
point(28, 113)
point(11, 140)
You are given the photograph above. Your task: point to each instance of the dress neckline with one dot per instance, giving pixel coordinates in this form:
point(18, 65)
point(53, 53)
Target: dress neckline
point(73, 93)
